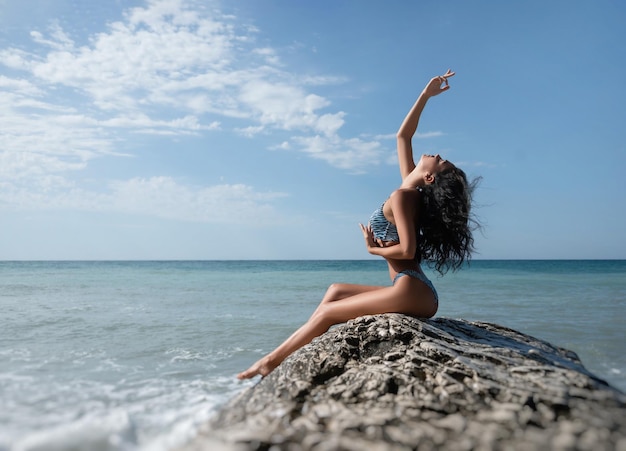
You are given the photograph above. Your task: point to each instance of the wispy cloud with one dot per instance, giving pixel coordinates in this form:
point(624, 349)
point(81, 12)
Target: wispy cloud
point(168, 68)
point(417, 135)
point(164, 197)
point(354, 155)
point(160, 197)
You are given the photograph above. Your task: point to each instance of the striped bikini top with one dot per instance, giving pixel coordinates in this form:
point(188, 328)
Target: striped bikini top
point(381, 228)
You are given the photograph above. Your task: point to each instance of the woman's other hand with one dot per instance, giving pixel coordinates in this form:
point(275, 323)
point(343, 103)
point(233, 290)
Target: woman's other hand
point(370, 241)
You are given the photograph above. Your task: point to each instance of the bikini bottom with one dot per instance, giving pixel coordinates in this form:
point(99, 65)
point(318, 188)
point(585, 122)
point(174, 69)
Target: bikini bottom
point(419, 276)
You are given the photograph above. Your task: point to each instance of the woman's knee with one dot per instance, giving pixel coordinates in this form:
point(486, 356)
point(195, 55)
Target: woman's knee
point(334, 292)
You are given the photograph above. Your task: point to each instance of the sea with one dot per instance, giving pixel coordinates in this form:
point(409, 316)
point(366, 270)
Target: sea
point(138, 355)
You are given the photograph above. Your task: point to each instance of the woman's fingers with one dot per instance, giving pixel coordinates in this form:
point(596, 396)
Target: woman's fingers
point(445, 77)
point(369, 235)
point(443, 80)
point(440, 83)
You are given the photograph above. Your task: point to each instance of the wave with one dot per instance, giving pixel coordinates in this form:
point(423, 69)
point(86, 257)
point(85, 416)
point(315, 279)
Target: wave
point(164, 417)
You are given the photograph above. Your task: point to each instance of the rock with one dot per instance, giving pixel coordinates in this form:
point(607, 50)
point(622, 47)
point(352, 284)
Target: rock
point(393, 382)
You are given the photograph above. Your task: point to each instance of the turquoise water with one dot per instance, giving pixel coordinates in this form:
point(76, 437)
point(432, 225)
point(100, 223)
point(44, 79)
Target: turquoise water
point(137, 355)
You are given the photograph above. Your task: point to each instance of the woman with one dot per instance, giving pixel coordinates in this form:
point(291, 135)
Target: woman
point(427, 218)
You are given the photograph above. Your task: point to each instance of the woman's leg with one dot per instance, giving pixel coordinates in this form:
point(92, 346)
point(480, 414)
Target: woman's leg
point(335, 292)
point(339, 291)
point(403, 297)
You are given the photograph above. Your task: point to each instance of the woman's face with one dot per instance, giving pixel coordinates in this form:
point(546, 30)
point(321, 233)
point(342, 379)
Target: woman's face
point(434, 164)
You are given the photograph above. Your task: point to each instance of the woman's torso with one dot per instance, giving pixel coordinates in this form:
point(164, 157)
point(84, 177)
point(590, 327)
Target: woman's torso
point(384, 229)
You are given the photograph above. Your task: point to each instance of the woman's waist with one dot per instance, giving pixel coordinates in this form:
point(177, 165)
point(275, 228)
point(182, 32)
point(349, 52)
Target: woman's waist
point(398, 266)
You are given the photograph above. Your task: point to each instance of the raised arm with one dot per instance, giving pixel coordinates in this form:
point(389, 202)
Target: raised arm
point(435, 86)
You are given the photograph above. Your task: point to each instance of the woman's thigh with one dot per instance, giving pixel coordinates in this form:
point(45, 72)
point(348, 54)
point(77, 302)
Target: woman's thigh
point(401, 298)
point(339, 291)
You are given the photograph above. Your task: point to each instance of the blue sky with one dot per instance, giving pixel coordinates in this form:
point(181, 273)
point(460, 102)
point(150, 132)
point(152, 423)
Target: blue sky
point(266, 129)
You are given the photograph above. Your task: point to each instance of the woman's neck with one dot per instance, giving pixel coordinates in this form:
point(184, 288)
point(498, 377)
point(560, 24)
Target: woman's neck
point(414, 180)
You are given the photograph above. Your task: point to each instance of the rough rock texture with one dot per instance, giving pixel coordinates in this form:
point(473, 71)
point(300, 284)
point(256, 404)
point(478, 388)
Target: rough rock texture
point(392, 382)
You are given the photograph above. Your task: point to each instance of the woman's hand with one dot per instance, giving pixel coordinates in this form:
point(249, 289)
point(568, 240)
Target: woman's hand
point(370, 241)
point(374, 243)
point(439, 84)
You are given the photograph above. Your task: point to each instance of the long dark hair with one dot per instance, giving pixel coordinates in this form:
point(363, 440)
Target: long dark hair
point(446, 223)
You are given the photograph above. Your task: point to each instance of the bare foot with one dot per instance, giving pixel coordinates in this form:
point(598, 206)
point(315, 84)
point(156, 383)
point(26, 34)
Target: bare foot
point(263, 367)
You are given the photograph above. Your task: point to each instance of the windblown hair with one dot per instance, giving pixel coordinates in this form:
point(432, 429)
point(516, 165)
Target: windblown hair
point(446, 225)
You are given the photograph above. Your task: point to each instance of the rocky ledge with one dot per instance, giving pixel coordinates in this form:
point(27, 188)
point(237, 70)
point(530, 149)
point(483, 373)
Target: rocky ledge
point(392, 382)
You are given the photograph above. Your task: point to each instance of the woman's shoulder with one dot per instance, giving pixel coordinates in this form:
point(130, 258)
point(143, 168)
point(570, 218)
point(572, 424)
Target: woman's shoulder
point(406, 193)
point(405, 198)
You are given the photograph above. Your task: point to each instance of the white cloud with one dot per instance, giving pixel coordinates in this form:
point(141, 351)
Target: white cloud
point(417, 135)
point(141, 122)
point(60, 40)
point(168, 55)
point(354, 155)
point(158, 196)
point(21, 87)
point(168, 68)
point(424, 135)
point(269, 54)
point(283, 106)
point(164, 197)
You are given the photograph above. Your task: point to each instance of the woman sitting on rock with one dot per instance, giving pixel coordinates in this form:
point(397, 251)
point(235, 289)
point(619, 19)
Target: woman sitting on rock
point(426, 219)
